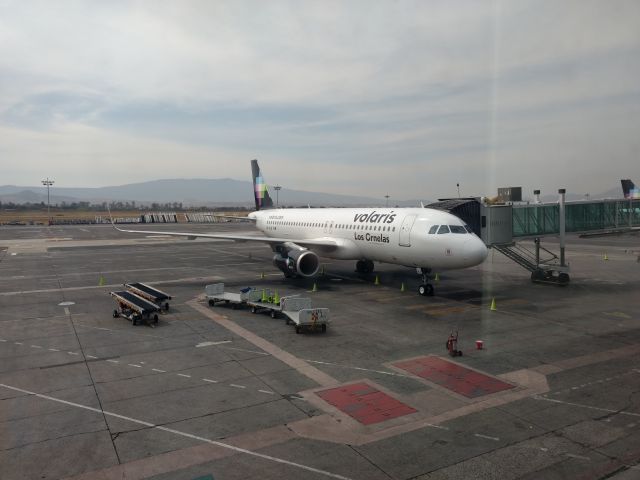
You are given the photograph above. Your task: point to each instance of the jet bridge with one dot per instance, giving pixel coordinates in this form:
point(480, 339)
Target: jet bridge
point(500, 226)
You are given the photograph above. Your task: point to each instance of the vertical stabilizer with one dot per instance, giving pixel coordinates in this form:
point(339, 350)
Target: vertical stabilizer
point(629, 189)
point(260, 191)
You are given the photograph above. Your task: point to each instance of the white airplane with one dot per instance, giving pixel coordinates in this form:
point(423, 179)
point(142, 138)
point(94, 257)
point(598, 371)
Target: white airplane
point(424, 238)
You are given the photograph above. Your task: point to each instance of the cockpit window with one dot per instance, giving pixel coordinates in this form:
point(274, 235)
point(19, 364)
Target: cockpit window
point(468, 228)
point(443, 229)
point(457, 229)
point(434, 229)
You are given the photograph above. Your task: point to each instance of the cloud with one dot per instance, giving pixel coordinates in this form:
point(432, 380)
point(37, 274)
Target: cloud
point(406, 97)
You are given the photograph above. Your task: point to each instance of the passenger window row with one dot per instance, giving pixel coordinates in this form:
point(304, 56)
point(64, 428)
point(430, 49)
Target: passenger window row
point(379, 228)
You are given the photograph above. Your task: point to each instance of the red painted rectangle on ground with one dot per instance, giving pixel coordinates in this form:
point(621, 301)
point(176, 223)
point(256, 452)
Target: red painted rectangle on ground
point(365, 403)
point(454, 377)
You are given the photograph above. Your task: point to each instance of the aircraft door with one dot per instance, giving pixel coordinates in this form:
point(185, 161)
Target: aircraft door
point(405, 231)
point(331, 226)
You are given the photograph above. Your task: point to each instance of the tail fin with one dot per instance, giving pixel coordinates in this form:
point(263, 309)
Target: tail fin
point(260, 191)
point(629, 189)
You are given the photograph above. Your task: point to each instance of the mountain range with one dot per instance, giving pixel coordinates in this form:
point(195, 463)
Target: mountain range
point(211, 192)
point(215, 192)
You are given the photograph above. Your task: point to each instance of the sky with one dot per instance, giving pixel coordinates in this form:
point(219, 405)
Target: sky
point(399, 98)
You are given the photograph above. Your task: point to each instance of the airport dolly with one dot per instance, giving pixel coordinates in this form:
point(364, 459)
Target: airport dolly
point(134, 308)
point(296, 310)
point(215, 293)
point(152, 294)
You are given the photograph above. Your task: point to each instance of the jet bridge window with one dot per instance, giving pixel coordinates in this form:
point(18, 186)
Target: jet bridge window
point(457, 229)
point(433, 229)
point(443, 229)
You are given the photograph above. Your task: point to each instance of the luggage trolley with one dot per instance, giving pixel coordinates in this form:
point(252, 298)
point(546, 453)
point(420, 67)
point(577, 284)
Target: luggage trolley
point(215, 293)
point(152, 294)
point(134, 308)
point(296, 310)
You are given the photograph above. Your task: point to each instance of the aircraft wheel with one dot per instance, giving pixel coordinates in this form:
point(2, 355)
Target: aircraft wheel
point(166, 307)
point(115, 314)
point(212, 303)
point(298, 329)
point(273, 314)
point(155, 318)
point(254, 310)
point(324, 327)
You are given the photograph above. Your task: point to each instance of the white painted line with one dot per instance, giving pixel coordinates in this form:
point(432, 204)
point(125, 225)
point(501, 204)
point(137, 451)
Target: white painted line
point(436, 426)
point(113, 361)
point(18, 343)
point(184, 375)
point(236, 386)
point(620, 412)
point(360, 368)
point(183, 434)
point(134, 365)
point(267, 392)
point(36, 346)
point(14, 254)
point(209, 380)
point(576, 456)
point(2, 340)
point(54, 349)
point(158, 370)
point(208, 344)
point(66, 311)
point(479, 435)
point(73, 353)
point(245, 350)
point(91, 356)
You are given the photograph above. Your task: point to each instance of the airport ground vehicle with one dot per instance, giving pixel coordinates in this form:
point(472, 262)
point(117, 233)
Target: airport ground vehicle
point(150, 293)
point(134, 308)
point(296, 310)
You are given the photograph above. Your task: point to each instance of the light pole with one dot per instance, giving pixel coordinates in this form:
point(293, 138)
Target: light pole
point(48, 183)
point(458, 186)
point(387, 203)
point(277, 188)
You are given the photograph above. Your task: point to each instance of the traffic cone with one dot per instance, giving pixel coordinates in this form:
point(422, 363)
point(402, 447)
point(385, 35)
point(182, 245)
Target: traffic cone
point(101, 282)
point(264, 296)
point(402, 287)
point(605, 256)
point(493, 305)
point(377, 281)
point(315, 287)
point(276, 298)
point(437, 279)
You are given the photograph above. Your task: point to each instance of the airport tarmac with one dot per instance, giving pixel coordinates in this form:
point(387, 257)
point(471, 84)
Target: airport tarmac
point(227, 394)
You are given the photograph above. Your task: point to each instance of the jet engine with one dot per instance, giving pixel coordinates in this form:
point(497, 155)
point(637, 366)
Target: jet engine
point(295, 260)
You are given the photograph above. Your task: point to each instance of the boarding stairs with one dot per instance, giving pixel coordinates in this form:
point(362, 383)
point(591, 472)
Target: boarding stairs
point(525, 257)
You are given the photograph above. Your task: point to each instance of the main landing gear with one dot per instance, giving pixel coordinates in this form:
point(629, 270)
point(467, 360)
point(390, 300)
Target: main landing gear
point(364, 266)
point(426, 289)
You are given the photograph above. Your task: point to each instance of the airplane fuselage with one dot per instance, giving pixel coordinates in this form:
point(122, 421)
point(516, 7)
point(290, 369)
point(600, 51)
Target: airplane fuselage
point(403, 236)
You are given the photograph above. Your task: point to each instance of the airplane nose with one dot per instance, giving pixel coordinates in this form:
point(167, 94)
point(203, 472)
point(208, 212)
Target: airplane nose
point(475, 251)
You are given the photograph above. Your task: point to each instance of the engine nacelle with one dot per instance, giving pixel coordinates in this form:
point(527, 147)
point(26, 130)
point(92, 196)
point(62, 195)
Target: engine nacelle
point(300, 261)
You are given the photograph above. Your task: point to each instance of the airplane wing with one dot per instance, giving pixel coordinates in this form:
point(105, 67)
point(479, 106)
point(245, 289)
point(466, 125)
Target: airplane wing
point(326, 243)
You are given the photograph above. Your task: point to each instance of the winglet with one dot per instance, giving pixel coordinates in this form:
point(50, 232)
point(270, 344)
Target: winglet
point(113, 224)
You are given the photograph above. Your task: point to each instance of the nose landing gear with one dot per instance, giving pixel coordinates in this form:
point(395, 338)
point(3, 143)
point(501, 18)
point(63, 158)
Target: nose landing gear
point(426, 289)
